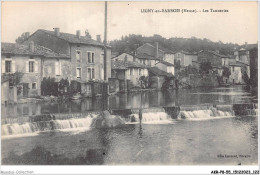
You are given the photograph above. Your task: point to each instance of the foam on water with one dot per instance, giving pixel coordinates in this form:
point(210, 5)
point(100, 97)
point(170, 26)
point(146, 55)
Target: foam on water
point(205, 114)
point(151, 118)
point(36, 127)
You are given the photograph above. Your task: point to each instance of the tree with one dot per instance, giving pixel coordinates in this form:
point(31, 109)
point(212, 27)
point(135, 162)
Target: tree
point(226, 72)
point(205, 67)
point(177, 64)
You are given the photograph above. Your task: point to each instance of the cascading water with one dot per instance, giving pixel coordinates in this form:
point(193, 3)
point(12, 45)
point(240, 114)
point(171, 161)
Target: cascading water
point(25, 128)
point(206, 112)
point(150, 117)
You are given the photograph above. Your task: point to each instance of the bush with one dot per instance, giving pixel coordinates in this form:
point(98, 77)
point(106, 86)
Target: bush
point(205, 67)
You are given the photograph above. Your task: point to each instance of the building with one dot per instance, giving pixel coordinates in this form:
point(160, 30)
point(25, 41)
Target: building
point(127, 57)
point(242, 54)
point(159, 77)
point(128, 73)
point(216, 59)
point(253, 53)
point(30, 60)
point(150, 54)
point(165, 66)
point(185, 58)
point(86, 55)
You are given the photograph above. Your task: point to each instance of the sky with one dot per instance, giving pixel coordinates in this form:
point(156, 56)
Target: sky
point(238, 25)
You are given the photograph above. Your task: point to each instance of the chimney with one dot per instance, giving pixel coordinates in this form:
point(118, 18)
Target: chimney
point(57, 31)
point(31, 46)
point(245, 45)
point(99, 38)
point(156, 51)
point(78, 34)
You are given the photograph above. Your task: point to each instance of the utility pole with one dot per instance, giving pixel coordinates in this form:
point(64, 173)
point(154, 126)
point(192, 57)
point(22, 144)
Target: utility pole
point(105, 44)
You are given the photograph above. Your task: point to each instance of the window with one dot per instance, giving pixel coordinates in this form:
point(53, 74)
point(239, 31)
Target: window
point(78, 72)
point(139, 71)
point(78, 56)
point(89, 73)
point(33, 85)
point(131, 71)
point(93, 57)
point(8, 66)
point(31, 66)
point(93, 73)
point(89, 57)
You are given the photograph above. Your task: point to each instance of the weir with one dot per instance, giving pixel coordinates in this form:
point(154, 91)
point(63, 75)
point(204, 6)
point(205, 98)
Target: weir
point(118, 117)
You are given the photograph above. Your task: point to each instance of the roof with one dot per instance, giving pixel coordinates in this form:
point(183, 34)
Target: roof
point(71, 38)
point(166, 63)
point(238, 63)
point(248, 47)
point(214, 53)
point(187, 53)
point(158, 72)
point(146, 56)
point(23, 49)
point(126, 64)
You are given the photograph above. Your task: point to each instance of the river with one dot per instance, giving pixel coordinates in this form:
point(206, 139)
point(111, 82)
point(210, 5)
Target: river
point(201, 137)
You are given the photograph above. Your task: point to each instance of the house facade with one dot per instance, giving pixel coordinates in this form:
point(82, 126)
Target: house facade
point(28, 59)
point(129, 72)
point(185, 58)
point(86, 55)
point(165, 66)
point(216, 59)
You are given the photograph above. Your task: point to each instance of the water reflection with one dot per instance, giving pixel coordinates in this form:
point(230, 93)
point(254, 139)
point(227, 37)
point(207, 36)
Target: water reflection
point(236, 94)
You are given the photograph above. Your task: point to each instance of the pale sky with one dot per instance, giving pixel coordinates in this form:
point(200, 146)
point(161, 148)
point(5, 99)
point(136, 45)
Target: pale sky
point(239, 25)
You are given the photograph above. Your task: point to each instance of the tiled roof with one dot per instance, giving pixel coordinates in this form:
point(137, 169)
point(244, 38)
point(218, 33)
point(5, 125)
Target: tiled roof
point(126, 64)
point(158, 72)
point(214, 53)
point(71, 38)
point(166, 63)
point(23, 49)
point(146, 56)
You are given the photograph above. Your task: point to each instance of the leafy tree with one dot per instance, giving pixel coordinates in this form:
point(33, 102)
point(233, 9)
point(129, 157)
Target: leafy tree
point(13, 78)
point(177, 64)
point(205, 67)
point(226, 72)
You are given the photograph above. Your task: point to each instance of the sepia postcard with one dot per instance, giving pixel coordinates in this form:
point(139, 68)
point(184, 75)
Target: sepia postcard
point(101, 87)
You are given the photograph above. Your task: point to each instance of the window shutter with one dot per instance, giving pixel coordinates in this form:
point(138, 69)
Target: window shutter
point(60, 68)
point(3, 66)
point(27, 66)
point(36, 67)
point(57, 68)
point(13, 67)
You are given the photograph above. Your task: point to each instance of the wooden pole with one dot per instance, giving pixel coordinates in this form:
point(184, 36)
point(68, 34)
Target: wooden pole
point(105, 44)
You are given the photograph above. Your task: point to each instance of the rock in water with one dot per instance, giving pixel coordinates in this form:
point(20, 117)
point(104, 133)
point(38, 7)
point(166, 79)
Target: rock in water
point(106, 120)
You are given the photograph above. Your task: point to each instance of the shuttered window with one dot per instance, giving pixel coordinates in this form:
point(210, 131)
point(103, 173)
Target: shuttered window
point(78, 72)
point(8, 66)
point(78, 56)
point(31, 66)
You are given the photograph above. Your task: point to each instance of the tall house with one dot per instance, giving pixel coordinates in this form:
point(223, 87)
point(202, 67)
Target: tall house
point(86, 55)
point(29, 59)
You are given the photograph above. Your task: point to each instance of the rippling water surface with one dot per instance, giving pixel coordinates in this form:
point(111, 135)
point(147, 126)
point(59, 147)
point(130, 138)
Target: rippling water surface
point(201, 137)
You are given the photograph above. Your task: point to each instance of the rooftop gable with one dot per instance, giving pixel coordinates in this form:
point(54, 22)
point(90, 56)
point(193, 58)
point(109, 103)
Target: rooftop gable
point(23, 49)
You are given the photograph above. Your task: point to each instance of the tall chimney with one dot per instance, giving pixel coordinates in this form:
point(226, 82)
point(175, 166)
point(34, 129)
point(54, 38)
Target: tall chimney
point(57, 31)
point(31, 46)
point(78, 33)
point(99, 38)
point(156, 50)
